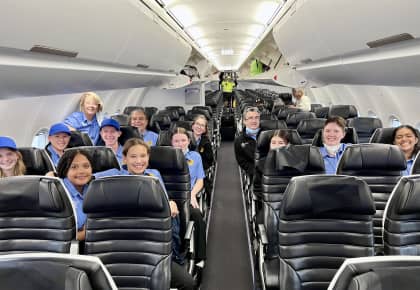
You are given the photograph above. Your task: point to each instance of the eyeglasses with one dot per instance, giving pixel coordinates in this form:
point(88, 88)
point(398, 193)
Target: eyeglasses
point(200, 125)
point(253, 118)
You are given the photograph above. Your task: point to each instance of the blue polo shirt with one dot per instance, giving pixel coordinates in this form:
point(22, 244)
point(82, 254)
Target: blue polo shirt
point(77, 199)
point(119, 154)
point(150, 137)
point(332, 162)
point(195, 166)
point(78, 121)
point(54, 155)
point(407, 171)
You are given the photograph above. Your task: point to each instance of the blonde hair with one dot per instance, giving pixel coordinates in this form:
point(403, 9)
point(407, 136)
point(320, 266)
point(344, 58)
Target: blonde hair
point(20, 168)
point(95, 97)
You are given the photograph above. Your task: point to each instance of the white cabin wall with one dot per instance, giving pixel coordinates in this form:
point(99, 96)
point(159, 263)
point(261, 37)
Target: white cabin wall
point(161, 98)
point(255, 86)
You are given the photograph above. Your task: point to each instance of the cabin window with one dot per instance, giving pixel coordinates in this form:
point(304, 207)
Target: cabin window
point(40, 139)
point(371, 114)
point(394, 121)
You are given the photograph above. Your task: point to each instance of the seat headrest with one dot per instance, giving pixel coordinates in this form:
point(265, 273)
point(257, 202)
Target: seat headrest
point(194, 112)
point(166, 158)
point(345, 111)
point(78, 139)
point(293, 119)
point(264, 140)
point(31, 193)
point(319, 194)
point(140, 194)
point(283, 113)
point(205, 108)
point(129, 109)
point(408, 193)
point(187, 125)
point(372, 159)
point(103, 157)
point(272, 124)
point(322, 112)
point(164, 121)
point(180, 109)
point(364, 125)
point(122, 119)
point(310, 126)
point(36, 161)
point(315, 106)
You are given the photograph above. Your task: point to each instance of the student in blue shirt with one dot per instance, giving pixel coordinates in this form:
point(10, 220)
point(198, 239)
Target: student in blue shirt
point(139, 119)
point(110, 131)
point(332, 149)
point(11, 162)
point(59, 138)
point(86, 119)
point(406, 137)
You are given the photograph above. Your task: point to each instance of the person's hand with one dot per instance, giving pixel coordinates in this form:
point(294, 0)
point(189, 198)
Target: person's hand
point(174, 208)
point(50, 174)
point(194, 202)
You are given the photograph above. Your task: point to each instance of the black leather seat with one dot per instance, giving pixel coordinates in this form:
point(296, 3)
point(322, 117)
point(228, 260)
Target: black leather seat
point(54, 271)
point(349, 138)
point(127, 110)
point(191, 114)
point(322, 112)
point(345, 111)
point(293, 119)
point(402, 218)
point(179, 109)
point(183, 124)
point(324, 219)
point(150, 111)
point(173, 114)
point(37, 161)
point(314, 107)
point(380, 166)
point(272, 124)
point(205, 108)
point(131, 235)
point(308, 128)
point(103, 157)
point(164, 139)
point(365, 126)
point(284, 112)
point(122, 119)
point(79, 139)
point(378, 273)
point(280, 166)
point(127, 132)
point(36, 215)
point(163, 121)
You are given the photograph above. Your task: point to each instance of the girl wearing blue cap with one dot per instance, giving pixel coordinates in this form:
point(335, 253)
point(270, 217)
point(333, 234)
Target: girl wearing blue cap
point(11, 163)
point(59, 138)
point(86, 120)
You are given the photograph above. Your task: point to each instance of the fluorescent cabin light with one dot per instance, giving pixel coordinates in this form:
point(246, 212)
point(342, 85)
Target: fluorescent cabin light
point(266, 11)
point(226, 51)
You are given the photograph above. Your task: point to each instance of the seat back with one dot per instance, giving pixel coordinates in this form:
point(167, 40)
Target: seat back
point(308, 128)
point(127, 110)
point(163, 121)
point(129, 228)
point(314, 107)
point(183, 124)
point(37, 161)
point(205, 108)
point(172, 113)
point(349, 138)
point(324, 219)
point(377, 273)
point(279, 167)
point(345, 111)
point(36, 215)
point(122, 119)
point(365, 126)
point(380, 166)
point(79, 139)
point(180, 109)
point(173, 167)
point(293, 119)
point(54, 271)
point(284, 112)
point(402, 218)
point(191, 114)
point(322, 112)
point(272, 124)
point(415, 169)
point(103, 157)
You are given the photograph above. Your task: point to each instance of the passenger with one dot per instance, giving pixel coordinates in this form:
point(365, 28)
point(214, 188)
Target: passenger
point(86, 119)
point(59, 138)
point(302, 102)
point(139, 119)
point(279, 139)
point(110, 132)
point(11, 162)
point(332, 134)
point(406, 137)
point(180, 139)
point(246, 143)
point(75, 169)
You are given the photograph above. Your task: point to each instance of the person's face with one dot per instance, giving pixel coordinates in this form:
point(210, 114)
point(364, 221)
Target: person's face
point(180, 141)
point(252, 120)
point(8, 159)
point(277, 142)
point(90, 106)
point(137, 159)
point(110, 135)
point(80, 171)
point(199, 127)
point(139, 120)
point(332, 134)
point(406, 140)
point(59, 141)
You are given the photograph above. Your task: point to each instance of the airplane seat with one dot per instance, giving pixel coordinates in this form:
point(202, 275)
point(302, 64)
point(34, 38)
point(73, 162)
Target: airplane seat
point(415, 169)
point(34, 271)
point(163, 121)
point(179, 109)
point(286, 98)
point(122, 119)
point(37, 161)
point(345, 111)
point(365, 127)
point(402, 218)
point(293, 119)
point(127, 110)
point(277, 108)
point(324, 219)
point(173, 114)
point(127, 132)
point(272, 124)
point(284, 112)
point(377, 273)
point(191, 114)
point(151, 111)
point(350, 137)
point(103, 157)
point(36, 215)
point(164, 139)
point(132, 235)
point(280, 166)
point(322, 112)
point(308, 128)
point(380, 166)
point(183, 124)
point(205, 108)
point(314, 107)
point(384, 135)
point(79, 139)
point(268, 116)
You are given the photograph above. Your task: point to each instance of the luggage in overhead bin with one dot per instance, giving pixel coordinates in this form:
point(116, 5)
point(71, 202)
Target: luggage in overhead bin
point(228, 126)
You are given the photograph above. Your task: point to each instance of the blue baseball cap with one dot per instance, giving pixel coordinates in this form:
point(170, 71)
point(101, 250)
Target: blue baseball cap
point(112, 123)
point(59, 128)
point(7, 142)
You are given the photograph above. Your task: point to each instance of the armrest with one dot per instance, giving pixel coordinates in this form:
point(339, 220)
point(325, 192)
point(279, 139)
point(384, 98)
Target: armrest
point(200, 193)
point(74, 247)
point(190, 230)
point(263, 234)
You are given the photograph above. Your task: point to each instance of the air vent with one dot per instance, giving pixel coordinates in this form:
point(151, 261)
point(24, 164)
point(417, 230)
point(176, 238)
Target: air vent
point(142, 65)
point(390, 40)
point(306, 60)
point(54, 51)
